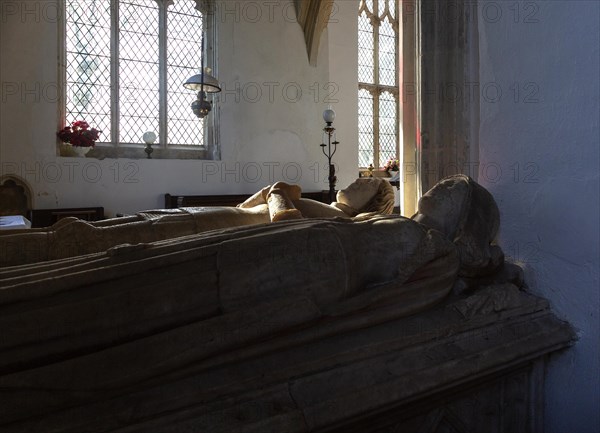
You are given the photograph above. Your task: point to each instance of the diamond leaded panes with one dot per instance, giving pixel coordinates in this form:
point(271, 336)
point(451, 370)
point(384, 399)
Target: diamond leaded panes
point(365, 49)
point(138, 69)
point(184, 59)
point(378, 82)
point(392, 8)
point(387, 53)
point(365, 128)
point(88, 75)
point(147, 84)
point(388, 121)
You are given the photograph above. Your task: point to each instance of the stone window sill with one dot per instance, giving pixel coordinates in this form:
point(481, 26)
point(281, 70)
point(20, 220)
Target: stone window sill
point(136, 151)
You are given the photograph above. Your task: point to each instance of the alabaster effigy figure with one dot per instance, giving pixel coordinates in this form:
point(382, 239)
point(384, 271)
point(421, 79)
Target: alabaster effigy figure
point(72, 237)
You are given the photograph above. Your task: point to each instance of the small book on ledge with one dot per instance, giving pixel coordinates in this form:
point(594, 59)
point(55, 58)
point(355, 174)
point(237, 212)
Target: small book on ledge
point(11, 222)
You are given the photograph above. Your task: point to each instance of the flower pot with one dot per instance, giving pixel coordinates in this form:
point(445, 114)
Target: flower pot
point(81, 151)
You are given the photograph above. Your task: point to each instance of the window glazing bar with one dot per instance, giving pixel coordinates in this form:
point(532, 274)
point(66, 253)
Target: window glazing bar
point(114, 72)
point(162, 71)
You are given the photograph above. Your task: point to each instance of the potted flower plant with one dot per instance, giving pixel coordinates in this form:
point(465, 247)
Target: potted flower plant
point(80, 136)
point(392, 166)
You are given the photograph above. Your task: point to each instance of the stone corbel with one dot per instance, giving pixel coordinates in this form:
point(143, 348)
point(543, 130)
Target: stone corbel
point(313, 17)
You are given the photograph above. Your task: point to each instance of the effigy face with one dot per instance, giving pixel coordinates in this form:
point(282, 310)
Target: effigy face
point(358, 193)
point(467, 214)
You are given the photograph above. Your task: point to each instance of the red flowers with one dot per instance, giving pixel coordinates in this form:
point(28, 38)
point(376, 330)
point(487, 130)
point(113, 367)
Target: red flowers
point(79, 134)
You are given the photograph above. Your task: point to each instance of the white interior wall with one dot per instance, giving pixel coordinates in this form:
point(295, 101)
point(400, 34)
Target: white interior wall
point(539, 158)
point(271, 113)
point(342, 31)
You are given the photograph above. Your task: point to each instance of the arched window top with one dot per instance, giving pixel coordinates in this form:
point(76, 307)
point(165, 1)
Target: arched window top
point(379, 10)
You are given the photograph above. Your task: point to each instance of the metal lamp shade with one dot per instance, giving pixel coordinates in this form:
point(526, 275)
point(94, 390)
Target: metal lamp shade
point(210, 85)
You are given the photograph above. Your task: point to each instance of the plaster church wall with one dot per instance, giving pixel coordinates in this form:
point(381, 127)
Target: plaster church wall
point(539, 158)
point(271, 114)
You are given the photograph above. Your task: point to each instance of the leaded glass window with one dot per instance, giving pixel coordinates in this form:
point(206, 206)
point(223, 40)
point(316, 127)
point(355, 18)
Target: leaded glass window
point(378, 109)
point(125, 65)
point(88, 31)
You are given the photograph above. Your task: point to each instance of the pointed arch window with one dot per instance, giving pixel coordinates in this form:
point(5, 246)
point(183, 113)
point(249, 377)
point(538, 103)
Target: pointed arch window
point(124, 65)
point(378, 92)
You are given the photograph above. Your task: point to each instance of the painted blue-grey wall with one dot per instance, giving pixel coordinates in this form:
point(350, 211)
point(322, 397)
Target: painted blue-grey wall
point(539, 141)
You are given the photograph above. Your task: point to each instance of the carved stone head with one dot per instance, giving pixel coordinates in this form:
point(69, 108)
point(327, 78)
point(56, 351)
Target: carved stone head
point(467, 214)
point(367, 195)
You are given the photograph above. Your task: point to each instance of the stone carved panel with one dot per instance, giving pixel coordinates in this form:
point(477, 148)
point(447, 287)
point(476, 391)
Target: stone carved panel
point(509, 403)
